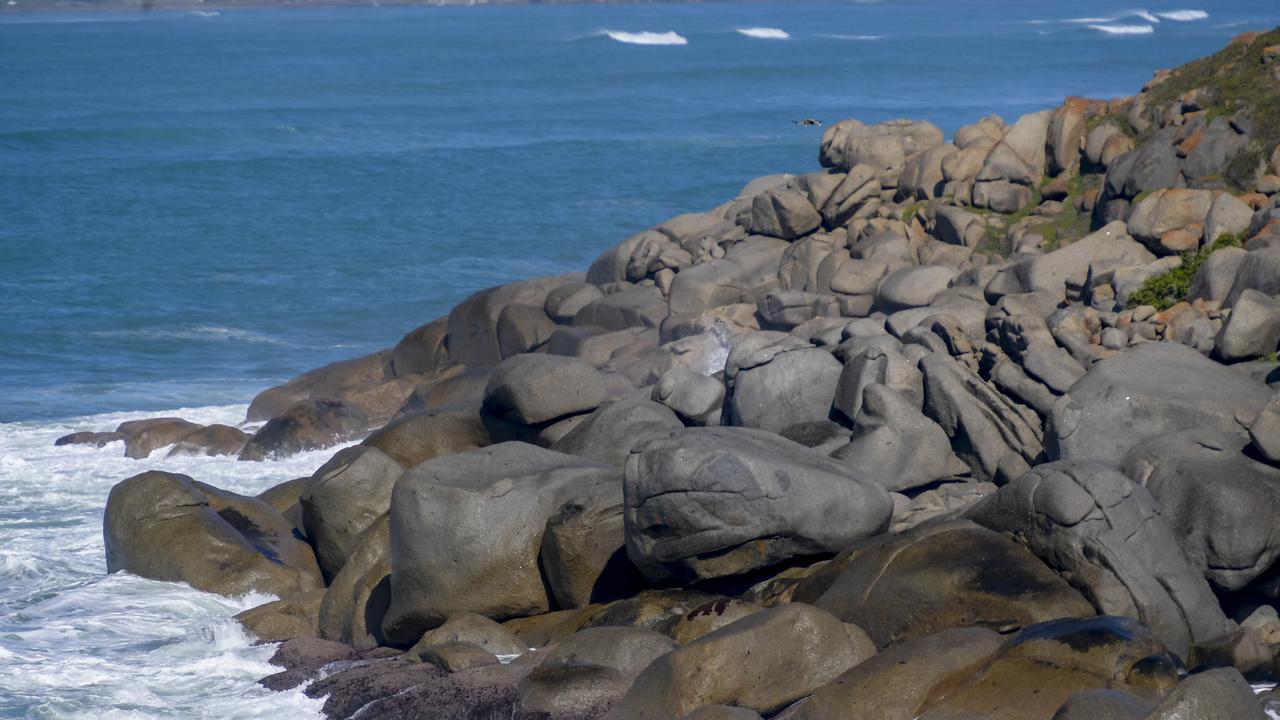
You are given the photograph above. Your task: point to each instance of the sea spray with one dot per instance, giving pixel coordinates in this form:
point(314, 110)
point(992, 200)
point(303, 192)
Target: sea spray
point(76, 642)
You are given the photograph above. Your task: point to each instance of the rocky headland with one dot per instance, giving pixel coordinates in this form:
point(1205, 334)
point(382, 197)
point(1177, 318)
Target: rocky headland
point(980, 428)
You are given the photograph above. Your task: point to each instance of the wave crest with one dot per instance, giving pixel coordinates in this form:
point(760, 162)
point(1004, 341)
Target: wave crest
point(1124, 29)
point(765, 33)
point(1184, 15)
point(647, 38)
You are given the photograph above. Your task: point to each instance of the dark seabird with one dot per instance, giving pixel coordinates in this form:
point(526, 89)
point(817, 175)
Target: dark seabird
point(808, 122)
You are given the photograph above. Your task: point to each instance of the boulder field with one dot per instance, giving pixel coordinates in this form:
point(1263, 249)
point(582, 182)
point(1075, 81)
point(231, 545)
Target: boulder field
point(982, 428)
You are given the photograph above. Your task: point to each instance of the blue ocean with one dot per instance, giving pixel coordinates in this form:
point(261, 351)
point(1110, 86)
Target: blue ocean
point(195, 205)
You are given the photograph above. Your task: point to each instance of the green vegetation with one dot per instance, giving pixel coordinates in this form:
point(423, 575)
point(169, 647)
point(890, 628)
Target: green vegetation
point(1233, 83)
point(1168, 289)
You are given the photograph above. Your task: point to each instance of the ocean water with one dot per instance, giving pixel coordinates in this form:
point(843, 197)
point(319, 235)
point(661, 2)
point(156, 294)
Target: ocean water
point(196, 205)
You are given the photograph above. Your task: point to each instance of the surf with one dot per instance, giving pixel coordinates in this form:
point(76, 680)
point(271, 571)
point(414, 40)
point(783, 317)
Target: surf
point(765, 33)
point(647, 38)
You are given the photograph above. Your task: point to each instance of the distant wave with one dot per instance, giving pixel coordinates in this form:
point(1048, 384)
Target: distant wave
point(835, 36)
point(215, 333)
point(765, 33)
point(1124, 29)
point(1144, 15)
point(1184, 15)
point(205, 13)
point(647, 38)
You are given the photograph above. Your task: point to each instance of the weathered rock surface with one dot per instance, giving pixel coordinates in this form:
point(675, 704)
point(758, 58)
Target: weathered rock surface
point(308, 425)
point(897, 683)
point(1037, 670)
point(1216, 498)
point(165, 526)
point(1095, 526)
point(344, 497)
point(532, 389)
point(762, 662)
point(466, 530)
point(1150, 390)
point(711, 502)
point(907, 586)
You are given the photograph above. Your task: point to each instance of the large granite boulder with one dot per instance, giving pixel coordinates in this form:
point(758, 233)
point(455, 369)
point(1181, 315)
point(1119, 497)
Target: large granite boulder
point(884, 146)
point(1152, 389)
point(535, 388)
point(906, 586)
point(895, 445)
point(166, 526)
point(994, 436)
point(356, 601)
point(779, 384)
point(420, 436)
point(1252, 329)
point(762, 662)
point(590, 670)
point(897, 683)
point(211, 441)
point(1167, 210)
point(584, 556)
point(343, 498)
point(142, 437)
point(335, 380)
point(695, 398)
point(911, 287)
point(421, 351)
point(1259, 270)
point(1221, 504)
point(785, 214)
point(1095, 526)
point(466, 531)
point(711, 502)
point(1036, 671)
point(308, 425)
point(609, 433)
point(1218, 694)
point(472, 337)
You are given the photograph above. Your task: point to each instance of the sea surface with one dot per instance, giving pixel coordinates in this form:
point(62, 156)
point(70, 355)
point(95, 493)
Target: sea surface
point(195, 205)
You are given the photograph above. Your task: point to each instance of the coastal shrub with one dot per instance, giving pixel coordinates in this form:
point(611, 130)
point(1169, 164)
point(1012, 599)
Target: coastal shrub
point(1167, 289)
point(1234, 82)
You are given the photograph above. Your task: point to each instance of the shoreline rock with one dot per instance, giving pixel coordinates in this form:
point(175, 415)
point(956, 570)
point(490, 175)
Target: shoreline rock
point(985, 427)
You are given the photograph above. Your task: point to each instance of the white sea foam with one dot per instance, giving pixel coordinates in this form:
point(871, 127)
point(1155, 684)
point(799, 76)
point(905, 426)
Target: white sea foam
point(1124, 29)
point(1184, 15)
point(78, 643)
point(206, 13)
point(1144, 15)
point(765, 33)
point(647, 38)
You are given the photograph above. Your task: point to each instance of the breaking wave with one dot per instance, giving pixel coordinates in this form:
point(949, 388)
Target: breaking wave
point(647, 38)
point(1124, 29)
point(1184, 15)
point(765, 33)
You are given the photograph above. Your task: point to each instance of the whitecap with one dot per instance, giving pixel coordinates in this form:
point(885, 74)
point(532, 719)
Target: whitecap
point(1144, 15)
point(1124, 29)
point(73, 637)
point(765, 33)
point(647, 38)
point(1184, 15)
point(205, 13)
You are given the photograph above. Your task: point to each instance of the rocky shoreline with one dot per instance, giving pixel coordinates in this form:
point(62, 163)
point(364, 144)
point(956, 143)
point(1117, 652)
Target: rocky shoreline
point(985, 428)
